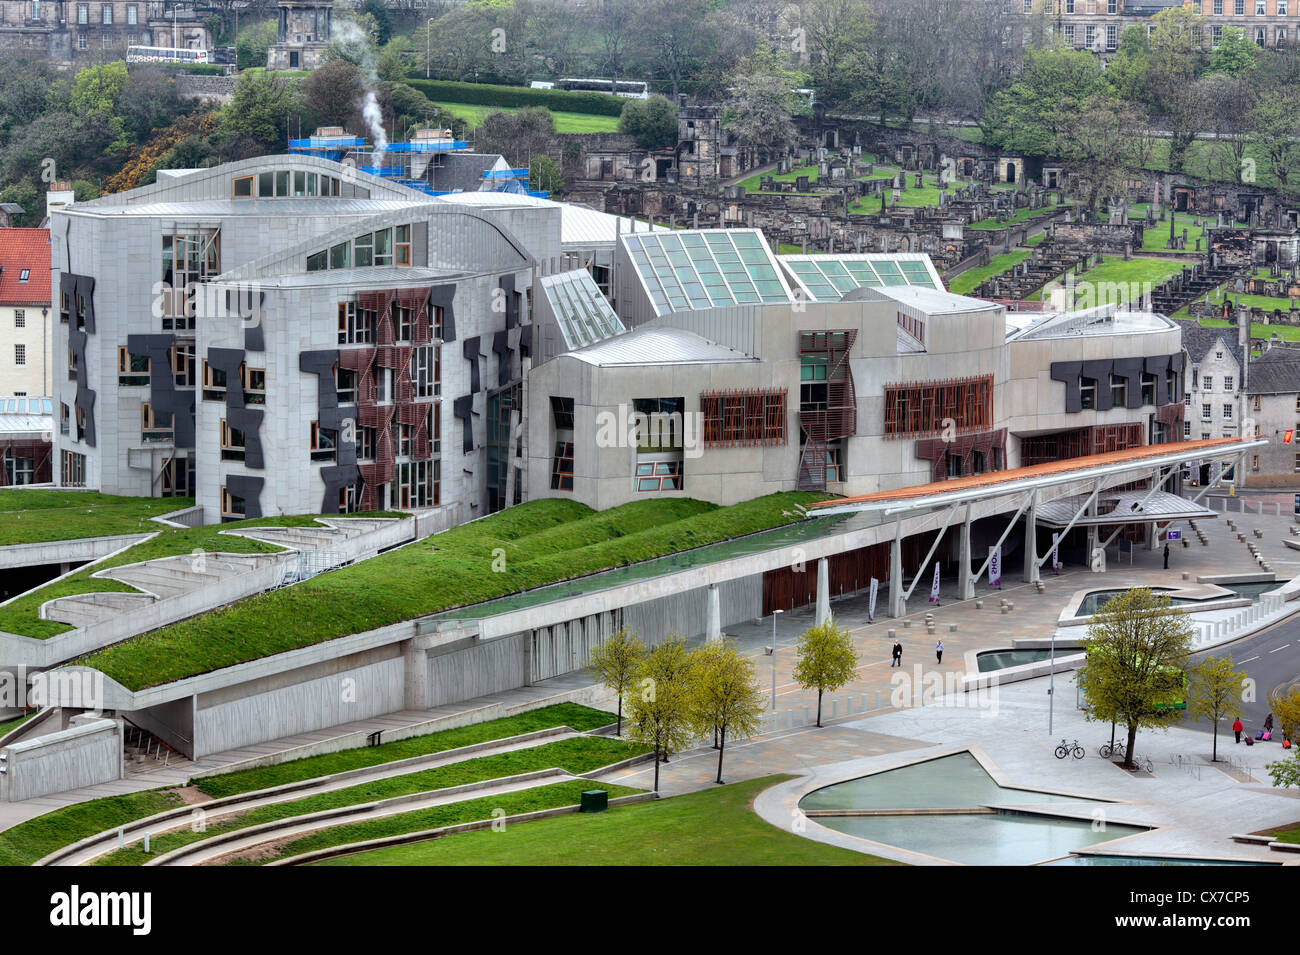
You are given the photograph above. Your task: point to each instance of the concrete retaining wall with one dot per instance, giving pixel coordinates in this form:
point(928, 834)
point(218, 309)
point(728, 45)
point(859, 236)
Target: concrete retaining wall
point(82, 755)
point(59, 552)
point(206, 89)
point(354, 693)
point(489, 667)
point(687, 613)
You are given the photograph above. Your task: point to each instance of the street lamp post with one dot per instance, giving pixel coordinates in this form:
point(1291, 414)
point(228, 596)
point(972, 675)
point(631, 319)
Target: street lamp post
point(428, 49)
point(1051, 687)
point(773, 655)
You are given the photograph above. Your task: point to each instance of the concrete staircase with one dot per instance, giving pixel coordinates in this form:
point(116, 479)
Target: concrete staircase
point(306, 551)
point(156, 580)
point(142, 752)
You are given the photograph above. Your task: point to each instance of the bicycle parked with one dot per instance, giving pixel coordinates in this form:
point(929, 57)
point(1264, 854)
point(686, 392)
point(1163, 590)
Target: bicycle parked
point(1067, 749)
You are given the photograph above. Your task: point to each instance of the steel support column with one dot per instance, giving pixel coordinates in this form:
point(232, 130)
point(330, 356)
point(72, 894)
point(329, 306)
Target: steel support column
point(966, 580)
point(1031, 539)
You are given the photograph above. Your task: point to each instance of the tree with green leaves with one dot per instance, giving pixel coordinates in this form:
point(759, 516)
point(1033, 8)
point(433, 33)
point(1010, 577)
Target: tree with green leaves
point(827, 660)
point(1178, 57)
point(1235, 53)
point(659, 710)
point(616, 664)
point(544, 174)
point(1285, 705)
point(652, 122)
point(1214, 693)
point(1043, 105)
point(1137, 646)
point(257, 120)
point(1275, 125)
point(726, 699)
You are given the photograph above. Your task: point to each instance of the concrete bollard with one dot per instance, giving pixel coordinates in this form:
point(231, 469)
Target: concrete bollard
point(893, 634)
point(1186, 576)
point(979, 605)
point(952, 628)
point(907, 625)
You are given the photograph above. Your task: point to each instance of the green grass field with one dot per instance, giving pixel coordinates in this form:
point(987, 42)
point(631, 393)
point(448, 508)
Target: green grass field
point(28, 841)
point(29, 516)
point(577, 755)
point(564, 122)
point(21, 615)
point(1118, 281)
point(986, 225)
point(537, 543)
point(970, 280)
point(712, 827)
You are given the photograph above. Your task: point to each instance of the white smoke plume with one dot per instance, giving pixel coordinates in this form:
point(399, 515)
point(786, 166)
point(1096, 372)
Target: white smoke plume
point(357, 47)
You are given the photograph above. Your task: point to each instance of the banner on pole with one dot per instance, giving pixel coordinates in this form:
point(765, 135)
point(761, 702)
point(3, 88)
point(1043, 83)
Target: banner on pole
point(1056, 556)
point(871, 604)
point(995, 566)
point(934, 588)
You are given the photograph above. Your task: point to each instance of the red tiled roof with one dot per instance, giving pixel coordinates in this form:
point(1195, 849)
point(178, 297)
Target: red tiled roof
point(1064, 466)
point(24, 249)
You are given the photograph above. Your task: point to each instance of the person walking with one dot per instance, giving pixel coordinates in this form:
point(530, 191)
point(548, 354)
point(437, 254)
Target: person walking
point(1166, 555)
point(897, 658)
point(1237, 727)
point(1268, 723)
point(938, 652)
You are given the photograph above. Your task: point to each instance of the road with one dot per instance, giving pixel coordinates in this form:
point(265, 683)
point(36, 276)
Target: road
point(1272, 659)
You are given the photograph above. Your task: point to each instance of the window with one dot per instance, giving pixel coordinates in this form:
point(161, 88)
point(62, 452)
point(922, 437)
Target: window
point(1148, 389)
point(1259, 36)
point(1254, 462)
point(1205, 412)
point(402, 322)
point(1281, 36)
point(402, 245)
point(834, 470)
point(214, 383)
point(83, 13)
point(425, 370)
point(1118, 391)
point(35, 13)
point(243, 187)
point(20, 354)
point(324, 442)
point(132, 370)
point(183, 365)
point(1239, 7)
point(416, 484)
point(562, 412)
point(1227, 412)
point(1068, 32)
point(1227, 383)
point(1187, 429)
point(659, 476)
point(1069, 6)
point(1087, 393)
point(20, 318)
point(73, 472)
point(562, 467)
point(154, 427)
point(1218, 8)
point(1112, 36)
point(345, 385)
point(65, 418)
point(356, 324)
point(1297, 462)
point(1261, 8)
point(1216, 35)
point(187, 260)
point(106, 14)
point(233, 443)
point(1218, 356)
point(19, 470)
point(81, 42)
point(253, 381)
point(660, 425)
point(1207, 383)
point(132, 16)
point(1111, 5)
point(1089, 36)
point(1281, 8)
point(24, 275)
point(232, 506)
